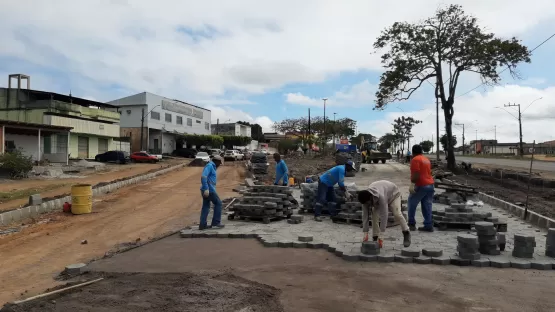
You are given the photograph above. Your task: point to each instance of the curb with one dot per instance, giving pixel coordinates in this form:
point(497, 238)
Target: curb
point(56, 204)
point(533, 218)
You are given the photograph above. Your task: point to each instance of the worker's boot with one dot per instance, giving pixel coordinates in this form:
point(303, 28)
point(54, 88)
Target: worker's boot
point(406, 238)
point(412, 227)
point(318, 219)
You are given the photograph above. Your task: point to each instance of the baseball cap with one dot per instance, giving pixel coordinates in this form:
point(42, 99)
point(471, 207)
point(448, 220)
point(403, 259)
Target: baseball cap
point(351, 163)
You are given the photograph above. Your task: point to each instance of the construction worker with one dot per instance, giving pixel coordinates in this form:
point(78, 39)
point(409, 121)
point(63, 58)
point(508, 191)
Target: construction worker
point(209, 195)
point(380, 198)
point(282, 173)
point(326, 191)
point(421, 190)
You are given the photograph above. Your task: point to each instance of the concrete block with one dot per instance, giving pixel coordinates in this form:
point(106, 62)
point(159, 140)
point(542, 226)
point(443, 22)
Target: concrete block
point(236, 235)
point(4, 218)
point(443, 260)
point(541, 265)
point(285, 244)
point(249, 235)
point(403, 259)
point(42, 208)
point(270, 244)
point(299, 244)
point(386, 258)
point(423, 260)
point(520, 264)
point(331, 248)
point(35, 199)
point(368, 258)
point(16, 215)
point(351, 257)
point(460, 261)
point(25, 213)
point(500, 263)
point(75, 269)
point(222, 235)
point(410, 252)
point(429, 252)
point(305, 238)
point(480, 263)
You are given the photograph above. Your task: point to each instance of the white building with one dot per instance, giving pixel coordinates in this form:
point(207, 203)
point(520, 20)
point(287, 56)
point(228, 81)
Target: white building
point(235, 129)
point(164, 120)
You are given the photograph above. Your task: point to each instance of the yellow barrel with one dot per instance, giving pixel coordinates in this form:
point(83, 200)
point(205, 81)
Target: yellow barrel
point(291, 181)
point(81, 198)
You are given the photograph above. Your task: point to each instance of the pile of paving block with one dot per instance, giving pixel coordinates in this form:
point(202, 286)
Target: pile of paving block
point(309, 194)
point(259, 163)
point(550, 243)
point(461, 216)
point(487, 238)
point(351, 213)
point(264, 203)
point(524, 246)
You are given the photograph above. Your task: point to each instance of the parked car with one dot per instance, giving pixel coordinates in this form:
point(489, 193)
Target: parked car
point(215, 151)
point(118, 157)
point(203, 155)
point(143, 157)
point(186, 152)
point(233, 155)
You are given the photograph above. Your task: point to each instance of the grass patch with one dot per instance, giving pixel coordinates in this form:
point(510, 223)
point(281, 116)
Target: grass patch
point(24, 193)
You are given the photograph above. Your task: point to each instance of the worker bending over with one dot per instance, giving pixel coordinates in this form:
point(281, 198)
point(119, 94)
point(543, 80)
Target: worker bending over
point(208, 191)
point(282, 173)
point(326, 191)
point(381, 197)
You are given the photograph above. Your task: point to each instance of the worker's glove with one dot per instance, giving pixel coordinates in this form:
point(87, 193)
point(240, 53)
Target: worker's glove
point(348, 196)
point(365, 239)
point(412, 189)
point(206, 193)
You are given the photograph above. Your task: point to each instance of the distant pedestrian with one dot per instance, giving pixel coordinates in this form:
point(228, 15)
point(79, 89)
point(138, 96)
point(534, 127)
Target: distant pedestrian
point(282, 173)
point(421, 190)
point(380, 198)
point(209, 195)
point(409, 155)
point(326, 191)
point(398, 155)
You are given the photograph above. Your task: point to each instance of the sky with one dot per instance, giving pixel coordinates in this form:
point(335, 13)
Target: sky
point(263, 61)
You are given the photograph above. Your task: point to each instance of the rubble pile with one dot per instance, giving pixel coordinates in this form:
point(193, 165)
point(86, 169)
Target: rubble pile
point(264, 203)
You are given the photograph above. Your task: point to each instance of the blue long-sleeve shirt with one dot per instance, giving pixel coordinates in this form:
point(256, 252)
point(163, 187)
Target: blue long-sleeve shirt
point(282, 172)
point(208, 179)
point(335, 175)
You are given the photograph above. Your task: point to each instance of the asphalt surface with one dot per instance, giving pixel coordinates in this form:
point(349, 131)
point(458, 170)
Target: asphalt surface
point(515, 163)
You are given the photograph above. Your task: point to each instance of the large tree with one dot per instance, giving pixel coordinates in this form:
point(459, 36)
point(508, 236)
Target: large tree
point(440, 48)
point(402, 129)
point(427, 146)
point(444, 143)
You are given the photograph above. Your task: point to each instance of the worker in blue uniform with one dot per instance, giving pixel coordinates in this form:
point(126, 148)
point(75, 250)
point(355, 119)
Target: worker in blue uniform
point(282, 173)
point(326, 191)
point(209, 195)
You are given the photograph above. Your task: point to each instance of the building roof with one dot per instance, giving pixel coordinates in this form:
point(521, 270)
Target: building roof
point(46, 95)
point(32, 125)
point(143, 94)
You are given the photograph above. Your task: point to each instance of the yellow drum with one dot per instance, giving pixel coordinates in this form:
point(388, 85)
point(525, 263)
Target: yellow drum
point(291, 181)
point(81, 198)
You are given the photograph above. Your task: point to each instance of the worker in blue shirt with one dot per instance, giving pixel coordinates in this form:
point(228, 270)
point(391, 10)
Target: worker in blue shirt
point(282, 173)
point(209, 195)
point(326, 191)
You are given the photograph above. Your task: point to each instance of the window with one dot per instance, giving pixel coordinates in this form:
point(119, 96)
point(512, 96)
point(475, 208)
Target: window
point(206, 126)
point(155, 115)
point(179, 120)
point(189, 122)
point(168, 117)
point(198, 121)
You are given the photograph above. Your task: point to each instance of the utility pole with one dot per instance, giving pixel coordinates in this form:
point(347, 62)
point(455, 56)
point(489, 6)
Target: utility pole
point(325, 141)
point(462, 137)
point(521, 148)
point(433, 142)
point(334, 127)
point(142, 126)
point(218, 126)
point(476, 143)
point(495, 138)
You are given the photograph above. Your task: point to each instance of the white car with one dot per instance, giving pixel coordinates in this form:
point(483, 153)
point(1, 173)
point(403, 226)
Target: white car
point(204, 156)
point(233, 154)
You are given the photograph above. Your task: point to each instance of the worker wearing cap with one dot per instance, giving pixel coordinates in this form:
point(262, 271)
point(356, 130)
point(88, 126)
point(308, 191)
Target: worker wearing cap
point(326, 191)
point(282, 172)
point(209, 195)
point(380, 198)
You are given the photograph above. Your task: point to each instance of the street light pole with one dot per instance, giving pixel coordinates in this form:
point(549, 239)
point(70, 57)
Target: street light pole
point(334, 127)
point(324, 146)
point(143, 122)
point(521, 145)
point(462, 137)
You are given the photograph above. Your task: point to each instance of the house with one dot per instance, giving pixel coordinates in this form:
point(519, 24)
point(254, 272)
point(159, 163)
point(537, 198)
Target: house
point(273, 137)
point(93, 125)
point(154, 123)
point(235, 129)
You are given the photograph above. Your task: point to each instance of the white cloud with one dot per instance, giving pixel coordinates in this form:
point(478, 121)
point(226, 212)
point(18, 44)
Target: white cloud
point(481, 117)
point(227, 114)
point(360, 94)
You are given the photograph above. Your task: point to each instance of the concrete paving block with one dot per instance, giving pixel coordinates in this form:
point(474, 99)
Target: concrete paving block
point(500, 263)
point(297, 218)
point(403, 259)
point(305, 238)
point(222, 235)
point(25, 213)
point(270, 244)
point(236, 235)
point(351, 257)
point(410, 252)
point(443, 260)
point(455, 260)
point(285, 244)
point(75, 269)
point(338, 252)
point(35, 199)
point(423, 260)
point(432, 252)
point(368, 258)
point(186, 234)
point(299, 245)
point(386, 258)
point(331, 248)
point(541, 265)
point(520, 264)
point(481, 263)
point(249, 235)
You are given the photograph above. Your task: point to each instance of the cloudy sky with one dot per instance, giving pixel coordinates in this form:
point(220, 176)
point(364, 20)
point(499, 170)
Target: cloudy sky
point(265, 61)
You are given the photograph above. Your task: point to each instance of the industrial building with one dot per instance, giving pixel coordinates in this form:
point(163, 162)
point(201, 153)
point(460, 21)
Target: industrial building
point(55, 127)
point(235, 129)
point(159, 121)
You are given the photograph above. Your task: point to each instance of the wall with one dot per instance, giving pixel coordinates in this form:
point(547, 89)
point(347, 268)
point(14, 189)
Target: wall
point(134, 135)
point(31, 116)
point(120, 146)
point(84, 126)
point(131, 116)
point(93, 145)
point(167, 143)
point(28, 144)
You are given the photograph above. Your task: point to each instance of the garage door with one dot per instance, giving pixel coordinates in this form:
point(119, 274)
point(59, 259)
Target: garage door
point(102, 146)
point(83, 147)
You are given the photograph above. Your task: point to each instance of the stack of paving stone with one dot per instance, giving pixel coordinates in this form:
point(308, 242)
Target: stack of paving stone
point(370, 248)
point(468, 247)
point(550, 243)
point(462, 215)
point(524, 246)
point(351, 212)
point(487, 237)
point(259, 163)
point(264, 203)
point(309, 193)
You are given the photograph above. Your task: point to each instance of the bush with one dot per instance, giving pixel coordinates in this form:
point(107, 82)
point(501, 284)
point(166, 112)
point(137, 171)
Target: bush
point(286, 145)
point(16, 164)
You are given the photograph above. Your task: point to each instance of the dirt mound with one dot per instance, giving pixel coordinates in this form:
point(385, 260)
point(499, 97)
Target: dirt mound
point(161, 292)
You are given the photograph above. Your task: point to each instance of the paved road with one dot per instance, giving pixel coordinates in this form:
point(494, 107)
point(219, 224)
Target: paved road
point(515, 163)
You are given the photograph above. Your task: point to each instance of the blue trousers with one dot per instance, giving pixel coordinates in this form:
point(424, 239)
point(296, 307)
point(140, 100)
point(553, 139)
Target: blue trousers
point(423, 195)
point(325, 196)
point(217, 217)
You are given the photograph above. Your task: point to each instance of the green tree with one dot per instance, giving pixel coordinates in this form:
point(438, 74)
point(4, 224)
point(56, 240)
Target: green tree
point(427, 145)
point(443, 141)
point(387, 140)
point(441, 48)
point(402, 129)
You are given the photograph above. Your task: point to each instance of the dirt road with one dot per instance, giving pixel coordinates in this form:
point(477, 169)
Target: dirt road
point(14, 194)
point(315, 280)
point(32, 257)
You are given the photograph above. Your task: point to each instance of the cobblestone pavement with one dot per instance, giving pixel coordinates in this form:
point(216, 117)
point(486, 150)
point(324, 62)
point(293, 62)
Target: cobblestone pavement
point(345, 240)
